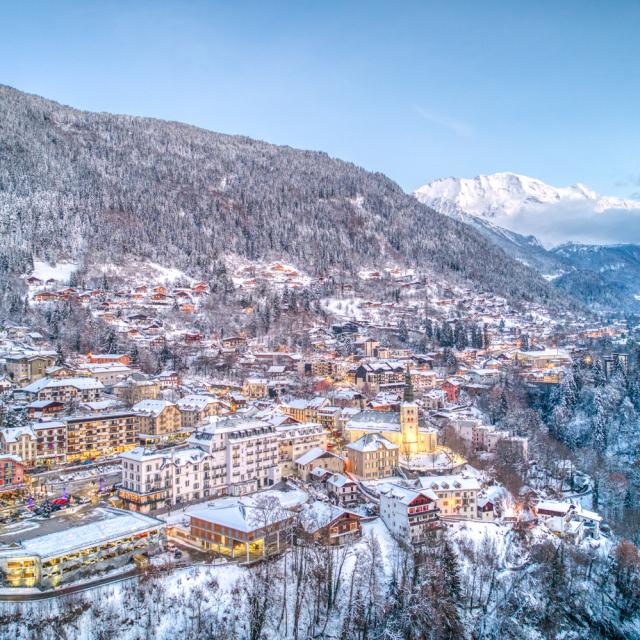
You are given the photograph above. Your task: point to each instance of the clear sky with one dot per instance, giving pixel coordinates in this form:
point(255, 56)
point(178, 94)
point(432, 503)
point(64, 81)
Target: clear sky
point(417, 90)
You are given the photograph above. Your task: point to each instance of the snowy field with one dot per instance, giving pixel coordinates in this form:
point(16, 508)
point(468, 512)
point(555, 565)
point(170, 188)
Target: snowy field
point(61, 272)
point(145, 272)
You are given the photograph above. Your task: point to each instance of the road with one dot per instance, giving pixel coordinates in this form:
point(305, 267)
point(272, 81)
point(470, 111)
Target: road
point(70, 590)
point(73, 589)
point(80, 480)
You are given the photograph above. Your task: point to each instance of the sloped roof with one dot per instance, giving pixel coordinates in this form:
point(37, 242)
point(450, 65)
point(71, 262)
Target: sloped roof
point(371, 442)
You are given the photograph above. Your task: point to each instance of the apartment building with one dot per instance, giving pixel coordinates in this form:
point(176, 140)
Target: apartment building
point(29, 367)
point(131, 391)
point(11, 472)
point(195, 409)
point(325, 367)
point(457, 495)
point(254, 388)
point(485, 437)
point(83, 389)
point(161, 420)
point(51, 442)
point(329, 417)
point(101, 434)
point(372, 456)
point(228, 455)
point(424, 379)
point(252, 452)
point(380, 374)
point(305, 410)
point(409, 514)
point(21, 442)
point(295, 440)
point(152, 479)
point(108, 374)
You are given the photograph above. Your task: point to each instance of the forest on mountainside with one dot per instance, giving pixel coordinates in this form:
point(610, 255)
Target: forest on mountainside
point(99, 187)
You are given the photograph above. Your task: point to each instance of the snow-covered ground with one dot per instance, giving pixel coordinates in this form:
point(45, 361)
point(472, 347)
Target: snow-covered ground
point(212, 600)
point(61, 272)
point(146, 272)
point(163, 608)
point(348, 308)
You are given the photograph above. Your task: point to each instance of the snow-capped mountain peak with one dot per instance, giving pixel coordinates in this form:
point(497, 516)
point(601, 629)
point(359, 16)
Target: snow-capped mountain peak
point(532, 207)
point(506, 194)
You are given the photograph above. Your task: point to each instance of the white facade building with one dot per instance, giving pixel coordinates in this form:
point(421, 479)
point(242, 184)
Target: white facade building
point(295, 440)
point(409, 514)
point(227, 456)
point(457, 495)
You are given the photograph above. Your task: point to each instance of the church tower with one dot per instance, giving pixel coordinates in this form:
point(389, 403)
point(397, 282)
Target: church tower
point(408, 419)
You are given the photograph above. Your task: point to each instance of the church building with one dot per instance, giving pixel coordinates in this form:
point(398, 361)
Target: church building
point(400, 427)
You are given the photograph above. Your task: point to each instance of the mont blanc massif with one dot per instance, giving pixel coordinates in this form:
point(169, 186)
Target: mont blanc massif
point(252, 391)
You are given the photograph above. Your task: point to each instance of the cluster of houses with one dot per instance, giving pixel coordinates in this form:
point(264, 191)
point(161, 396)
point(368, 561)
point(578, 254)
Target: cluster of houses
point(136, 314)
point(310, 443)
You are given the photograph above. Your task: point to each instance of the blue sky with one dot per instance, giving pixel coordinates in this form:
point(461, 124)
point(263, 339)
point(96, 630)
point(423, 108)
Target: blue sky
point(417, 90)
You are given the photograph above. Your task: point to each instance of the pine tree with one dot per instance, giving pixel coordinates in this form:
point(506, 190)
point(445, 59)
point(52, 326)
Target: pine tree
point(403, 332)
point(451, 567)
point(486, 339)
point(555, 587)
point(14, 418)
point(460, 336)
point(598, 374)
point(595, 491)
point(165, 354)
point(59, 356)
point(503, 405)
point(449, 360)
point(110, 341)
point(445, 336)
point(428, 327)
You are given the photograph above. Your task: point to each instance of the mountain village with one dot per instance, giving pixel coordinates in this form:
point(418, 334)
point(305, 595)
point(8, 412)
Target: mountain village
point(237, 448)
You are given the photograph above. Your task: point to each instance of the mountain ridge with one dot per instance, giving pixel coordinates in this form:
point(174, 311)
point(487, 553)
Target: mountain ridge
point(505, 194)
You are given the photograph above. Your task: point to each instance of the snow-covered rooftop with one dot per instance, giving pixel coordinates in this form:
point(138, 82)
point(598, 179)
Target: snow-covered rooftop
point(109, 524)
point(371, 442)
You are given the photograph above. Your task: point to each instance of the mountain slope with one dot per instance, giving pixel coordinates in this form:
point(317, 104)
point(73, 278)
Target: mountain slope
point(526, 249)
point(75, 184)
point(608, 274)
point(602, 276)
